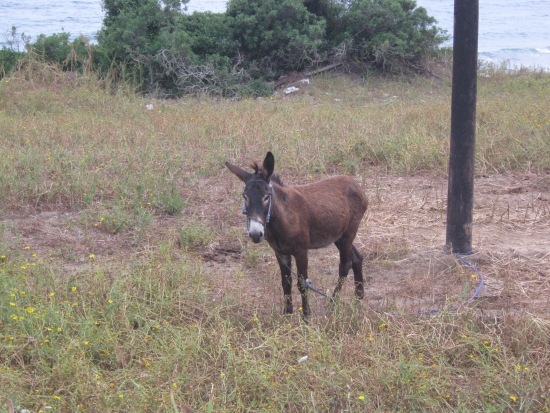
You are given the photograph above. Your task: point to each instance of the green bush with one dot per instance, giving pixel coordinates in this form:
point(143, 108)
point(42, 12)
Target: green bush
point(77, 55)
point(208, 68)
point(137, 32)
point(391, 33)
point(332, 12)
point(277, 35)
point(10, 55)
point(8, 60)
point(237, 53)
point(175, 53)
point(209, 34)
point(140, 28)
point(54, 48)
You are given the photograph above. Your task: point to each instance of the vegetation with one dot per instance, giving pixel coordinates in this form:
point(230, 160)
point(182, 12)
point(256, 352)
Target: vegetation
point(12, 53)
point(148, 337)
point(150, 323)
point(240, 52)
point(77, 141)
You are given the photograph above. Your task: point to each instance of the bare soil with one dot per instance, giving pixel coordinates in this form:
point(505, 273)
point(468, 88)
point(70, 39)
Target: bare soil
point(401, 238)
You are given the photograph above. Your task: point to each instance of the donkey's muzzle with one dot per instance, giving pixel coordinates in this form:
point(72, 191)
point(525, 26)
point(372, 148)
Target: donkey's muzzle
point(256, 231)
point(256, 238)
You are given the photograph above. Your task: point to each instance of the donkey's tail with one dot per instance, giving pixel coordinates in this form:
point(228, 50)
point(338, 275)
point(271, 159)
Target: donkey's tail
point(357, 253)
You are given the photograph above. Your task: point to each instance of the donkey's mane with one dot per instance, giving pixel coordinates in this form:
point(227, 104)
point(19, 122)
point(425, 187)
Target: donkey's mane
point(258, 170)
point(256, 166)
point(277, 179)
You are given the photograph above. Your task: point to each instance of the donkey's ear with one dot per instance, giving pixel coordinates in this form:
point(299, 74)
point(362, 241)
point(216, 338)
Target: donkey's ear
point(269, 166)
point(240, 173)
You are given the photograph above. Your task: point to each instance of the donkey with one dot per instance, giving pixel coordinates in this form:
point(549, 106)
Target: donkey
point(295, 219)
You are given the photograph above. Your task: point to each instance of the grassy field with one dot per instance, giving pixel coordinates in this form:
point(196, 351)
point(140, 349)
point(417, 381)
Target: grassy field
point(127, 284)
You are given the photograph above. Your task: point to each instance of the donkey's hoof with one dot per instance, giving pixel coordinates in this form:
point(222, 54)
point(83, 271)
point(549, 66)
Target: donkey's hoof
point(306, 311)
point(360, 293)
point(288, 310)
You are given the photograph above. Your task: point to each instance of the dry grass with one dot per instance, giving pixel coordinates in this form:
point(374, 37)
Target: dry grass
point(127, 283)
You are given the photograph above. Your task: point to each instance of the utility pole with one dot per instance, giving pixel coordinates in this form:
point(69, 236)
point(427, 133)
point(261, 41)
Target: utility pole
point(460, 201)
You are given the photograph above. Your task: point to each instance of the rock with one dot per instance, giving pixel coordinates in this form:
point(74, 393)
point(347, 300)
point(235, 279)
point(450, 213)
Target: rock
point(290, 89)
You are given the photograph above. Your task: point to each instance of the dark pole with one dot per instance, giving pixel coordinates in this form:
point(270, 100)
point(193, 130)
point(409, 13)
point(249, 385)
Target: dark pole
point(460, 201)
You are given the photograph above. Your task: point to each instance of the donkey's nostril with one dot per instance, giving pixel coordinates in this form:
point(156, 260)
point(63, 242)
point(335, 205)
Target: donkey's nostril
point(256, 238)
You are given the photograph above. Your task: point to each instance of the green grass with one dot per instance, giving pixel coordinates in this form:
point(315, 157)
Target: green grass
point(75, 143)
point(125, 337)
point(194, 234)
point(158, 328)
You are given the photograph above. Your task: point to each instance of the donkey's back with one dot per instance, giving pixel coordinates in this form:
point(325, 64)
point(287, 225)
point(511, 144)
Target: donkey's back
point(330, 209)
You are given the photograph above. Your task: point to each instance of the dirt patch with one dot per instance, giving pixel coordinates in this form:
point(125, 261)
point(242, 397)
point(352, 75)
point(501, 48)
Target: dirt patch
point(401, 237)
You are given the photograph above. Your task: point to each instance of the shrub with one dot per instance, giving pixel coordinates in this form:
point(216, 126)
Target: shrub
point(8, 60)
point(277, 35)
point(230, 54)
point(332, 12)
point(10, 55)
point(136, 32)
point(209, 34)
point(140, 27)
point(54, 48)
point(391, 33)
point(236, 53)
point(208, 69)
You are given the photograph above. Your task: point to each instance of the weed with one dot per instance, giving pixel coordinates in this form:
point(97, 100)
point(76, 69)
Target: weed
point(170, 200)
point(194, 234)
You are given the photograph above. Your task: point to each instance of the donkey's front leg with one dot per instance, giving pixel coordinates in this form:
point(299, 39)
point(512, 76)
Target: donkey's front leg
point(286, 279)
point(301, 266)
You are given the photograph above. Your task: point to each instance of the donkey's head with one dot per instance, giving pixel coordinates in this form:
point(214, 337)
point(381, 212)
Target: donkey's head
point(257, 194)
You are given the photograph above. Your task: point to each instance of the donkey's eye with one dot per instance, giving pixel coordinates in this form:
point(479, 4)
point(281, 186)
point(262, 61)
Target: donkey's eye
point(266, 199)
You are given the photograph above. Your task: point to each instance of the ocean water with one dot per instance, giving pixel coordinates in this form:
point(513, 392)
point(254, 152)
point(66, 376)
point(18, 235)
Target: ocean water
point(515, 31)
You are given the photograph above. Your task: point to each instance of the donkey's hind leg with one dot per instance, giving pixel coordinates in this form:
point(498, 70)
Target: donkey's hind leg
point(357, 266)
point(286, 280)
point(345, 249)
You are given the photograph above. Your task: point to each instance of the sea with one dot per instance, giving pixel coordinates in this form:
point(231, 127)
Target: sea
point(511, 32)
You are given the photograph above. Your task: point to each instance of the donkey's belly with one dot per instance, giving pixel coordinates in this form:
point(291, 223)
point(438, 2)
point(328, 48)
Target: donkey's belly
point(321, 243)
point(325, 234)
point(283, 246)
point(290, 249)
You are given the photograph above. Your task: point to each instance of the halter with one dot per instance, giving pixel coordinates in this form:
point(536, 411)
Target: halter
point(245, 212)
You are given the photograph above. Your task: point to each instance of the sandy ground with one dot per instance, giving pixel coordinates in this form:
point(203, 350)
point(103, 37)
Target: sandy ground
point(401, 238)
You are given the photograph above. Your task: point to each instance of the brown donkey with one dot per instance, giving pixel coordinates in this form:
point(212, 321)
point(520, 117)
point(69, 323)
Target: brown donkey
point(294, 219)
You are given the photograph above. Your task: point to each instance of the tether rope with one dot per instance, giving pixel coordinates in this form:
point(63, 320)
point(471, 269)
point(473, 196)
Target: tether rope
point(308, 284)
